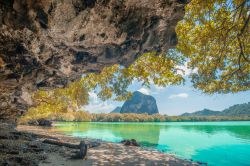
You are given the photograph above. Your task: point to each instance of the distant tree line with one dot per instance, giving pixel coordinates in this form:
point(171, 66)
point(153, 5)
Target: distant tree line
point(82, 116)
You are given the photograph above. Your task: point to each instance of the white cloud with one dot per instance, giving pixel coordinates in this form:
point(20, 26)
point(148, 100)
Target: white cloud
point(96, 105)
point(93, 97)
point(156, 88)
point(160, 87)
point(180, 95)
point(145, 91)
point(100, 107)
point(185, 71)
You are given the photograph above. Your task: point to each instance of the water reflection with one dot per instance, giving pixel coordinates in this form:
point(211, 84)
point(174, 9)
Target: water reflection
point(241, 131)
point(115, 132)
point(218, 143)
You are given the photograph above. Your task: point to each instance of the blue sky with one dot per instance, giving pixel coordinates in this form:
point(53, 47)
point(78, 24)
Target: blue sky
point(175, 100)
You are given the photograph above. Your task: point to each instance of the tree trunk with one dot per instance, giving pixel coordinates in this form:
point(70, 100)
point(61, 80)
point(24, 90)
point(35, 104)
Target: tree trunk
point(83, 150)
point(82, 146)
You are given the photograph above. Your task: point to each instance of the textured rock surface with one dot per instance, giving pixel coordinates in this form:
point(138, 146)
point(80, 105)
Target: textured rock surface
point(46, 44)
point(139, 104)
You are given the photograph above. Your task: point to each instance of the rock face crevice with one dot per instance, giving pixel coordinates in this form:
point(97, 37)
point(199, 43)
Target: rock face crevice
point(47, 44)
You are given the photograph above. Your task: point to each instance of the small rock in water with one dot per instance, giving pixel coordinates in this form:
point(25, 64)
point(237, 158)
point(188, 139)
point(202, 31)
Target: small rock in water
point(202, 163)
point(33, 123)
point(131, 142)
point(44, 122)
point(40, 122)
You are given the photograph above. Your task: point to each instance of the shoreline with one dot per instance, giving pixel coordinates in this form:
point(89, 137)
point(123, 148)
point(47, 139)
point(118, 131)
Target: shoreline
point(108, 153)
point(142, 122)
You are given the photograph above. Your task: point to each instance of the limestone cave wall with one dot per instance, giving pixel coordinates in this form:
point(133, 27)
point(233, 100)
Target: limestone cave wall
point(48, 43)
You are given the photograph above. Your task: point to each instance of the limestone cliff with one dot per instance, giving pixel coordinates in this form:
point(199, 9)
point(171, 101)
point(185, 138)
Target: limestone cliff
point(140, 103)
point(49, 43)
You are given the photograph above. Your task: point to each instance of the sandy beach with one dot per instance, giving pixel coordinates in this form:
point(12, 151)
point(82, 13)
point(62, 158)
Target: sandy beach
point(106, 154)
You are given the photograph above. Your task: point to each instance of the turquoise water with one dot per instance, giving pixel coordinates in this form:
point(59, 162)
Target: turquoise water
point(216, 143)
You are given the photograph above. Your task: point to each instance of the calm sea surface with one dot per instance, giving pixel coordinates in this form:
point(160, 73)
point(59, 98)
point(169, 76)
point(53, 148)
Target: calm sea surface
point(217, 143)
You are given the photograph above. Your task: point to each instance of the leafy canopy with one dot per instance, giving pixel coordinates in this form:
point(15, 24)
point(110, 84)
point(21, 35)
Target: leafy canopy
point(59, 100)
point(215, 37)
point(111, 82)
point(162, 70)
